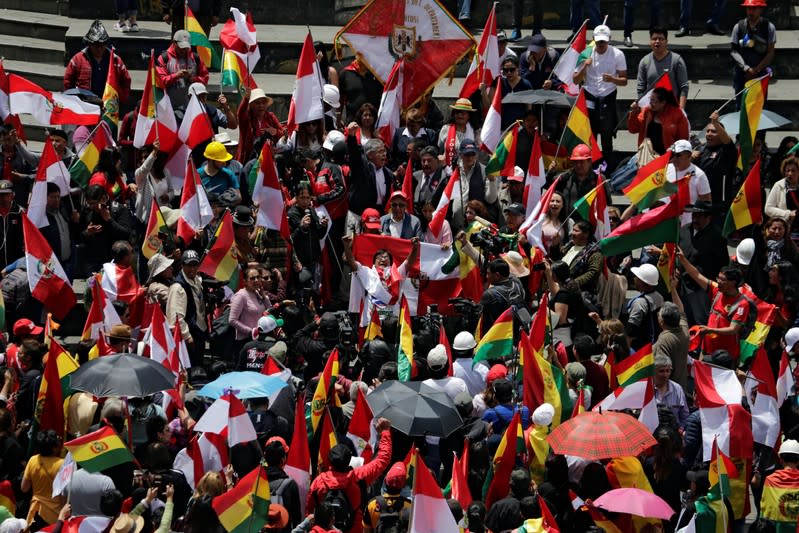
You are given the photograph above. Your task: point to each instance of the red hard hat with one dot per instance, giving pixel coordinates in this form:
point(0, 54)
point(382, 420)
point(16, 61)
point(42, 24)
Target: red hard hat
point(580, 152)
point(754, 3)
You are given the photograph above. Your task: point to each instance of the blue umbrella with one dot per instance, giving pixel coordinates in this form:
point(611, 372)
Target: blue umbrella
point(243, 385)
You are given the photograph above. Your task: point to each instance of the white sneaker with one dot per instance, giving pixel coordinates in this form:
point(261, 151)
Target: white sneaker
point(120, 26)
point(134, 27)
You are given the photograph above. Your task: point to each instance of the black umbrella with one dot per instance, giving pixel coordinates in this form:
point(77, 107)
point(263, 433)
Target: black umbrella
point(539, 97)
point(122, 374)
point(415, 409)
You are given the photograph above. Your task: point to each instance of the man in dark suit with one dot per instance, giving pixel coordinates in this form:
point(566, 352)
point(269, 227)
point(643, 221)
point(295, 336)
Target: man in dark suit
point(370, 179)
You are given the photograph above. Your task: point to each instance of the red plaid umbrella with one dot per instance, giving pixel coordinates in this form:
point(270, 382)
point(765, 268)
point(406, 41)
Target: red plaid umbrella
point(595, 435)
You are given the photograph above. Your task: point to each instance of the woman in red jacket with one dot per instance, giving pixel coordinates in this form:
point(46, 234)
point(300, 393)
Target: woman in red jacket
point(662, 121)
point(255, 120)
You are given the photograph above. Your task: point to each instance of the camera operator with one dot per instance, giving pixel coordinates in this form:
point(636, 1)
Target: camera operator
point(306, 231)
point(185, 305)
point(503, 291)
point(316, 339)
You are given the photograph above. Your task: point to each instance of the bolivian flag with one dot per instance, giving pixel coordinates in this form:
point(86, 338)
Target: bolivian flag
point(497, 482)
point(779, 499)
point(650, 184)
point(321, 396)
point(406, 366)
point(235, 73)
point(198, 38)
point(503, 160)
point(752, 100)
point(89, 155)
point(54, 389)
point(245, 508)
point(746, 207)
point(99, 450)
point(578, 128)
point(155, 225)
point(221, 261)
point(498, 341)
point(326, 442)
point(111, 97)
point(543, 382)
point(636, 367)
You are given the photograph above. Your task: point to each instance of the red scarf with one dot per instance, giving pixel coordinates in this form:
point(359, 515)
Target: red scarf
point(449, 147)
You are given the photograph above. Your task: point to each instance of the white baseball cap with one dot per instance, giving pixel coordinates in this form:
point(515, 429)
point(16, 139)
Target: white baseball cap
point(647, 273)
point(791, 338)
point(602, 33)
point(197, 88)
point(682, 146)
point(332, 138)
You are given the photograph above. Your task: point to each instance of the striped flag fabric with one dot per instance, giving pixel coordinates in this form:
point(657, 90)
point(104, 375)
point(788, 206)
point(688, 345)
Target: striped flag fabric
point(269, 195)
point(195, 210)
point(159, 338)
point(235, 71)
point(636, 367)
point(459, 485)
point(156, 119)
point(665, 265)
point(327, 440)
point(766, 313)
point(720, 471)
point(111, 99)
point(206, 452)
point(102, 315)
point(497, 483)
point(779, 488)
point(430, 512)
point(664, 82)
point(532, 227)
point(593, 207)
point(25, 97)
point(50, 166)
point(578, 128)
point(245, 507)
point(99, 450)
point(492, 124)
point(785, 380)
point(484, 67)
point(451, 191)
point(83, 524)
point(361, 431)
point(156, 224)
point(503, 160)
point(761, 392)
point(5, 110)
point(746, 208)
point(567, 62)
point(406, 366)
point(306, 101)
point(220, 261)
point(207, 52)
point(227, 413)
point(661, 224)
point(373, 330)
point(321, 396)
point(543, 382)
point(239, 36)
point(298, 463)
point(54, 389)
point(89, 155)
point(536, 177)
point(195, 128)
point(752, 100)
point(388, 115)
point(650, 183)
point(497, 342)
point(47, 280)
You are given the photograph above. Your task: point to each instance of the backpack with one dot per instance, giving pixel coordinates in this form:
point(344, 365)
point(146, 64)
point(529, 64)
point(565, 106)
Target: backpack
point(389, 514)
point(343, 513)
point(276, 491)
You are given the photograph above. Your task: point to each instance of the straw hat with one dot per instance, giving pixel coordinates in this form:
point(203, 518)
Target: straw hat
point(126, 523)
point(463, 104)
point(80, 412)
point(257, 94)
point(516, 264)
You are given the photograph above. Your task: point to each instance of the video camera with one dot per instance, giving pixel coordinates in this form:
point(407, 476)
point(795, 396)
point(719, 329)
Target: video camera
point(213, 292)
point(491, 241)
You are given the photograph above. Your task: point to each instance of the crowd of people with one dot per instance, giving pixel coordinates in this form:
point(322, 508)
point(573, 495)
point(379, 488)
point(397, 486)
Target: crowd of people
point(301, 297)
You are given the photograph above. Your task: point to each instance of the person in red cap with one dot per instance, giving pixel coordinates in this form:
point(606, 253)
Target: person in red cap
point(752, 45)
point(485, 399)
point(370, 222)
point(399, 223)
point(579, 179)
point(24, 329)
point(283, 490)
point(385, 510)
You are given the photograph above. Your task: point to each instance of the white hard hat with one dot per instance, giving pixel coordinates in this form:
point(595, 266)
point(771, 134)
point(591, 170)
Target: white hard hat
point(331, 96)
point(543, 414)
point(789, 446)
point(437, 357)
point(464, 341)
point(791, 338)
point(744, 251)
point(332, 138)
point(647, 273)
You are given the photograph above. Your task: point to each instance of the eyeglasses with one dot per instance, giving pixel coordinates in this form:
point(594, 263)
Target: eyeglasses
point(512, 69)
point(615, 219)
point(254, 278)
point(397, 204)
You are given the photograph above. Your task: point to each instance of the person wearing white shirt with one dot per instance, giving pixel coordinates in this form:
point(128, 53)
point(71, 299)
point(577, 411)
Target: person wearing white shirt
point(601, 74)
point(682, 168)
point(463, 366)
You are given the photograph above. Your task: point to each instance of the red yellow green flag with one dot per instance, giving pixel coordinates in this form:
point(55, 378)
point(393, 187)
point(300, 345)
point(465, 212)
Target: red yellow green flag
point(245, 507)
point(235, 73)
point(373, 330)
point(779, 499)
point(198, 38)
point(635, 367)
point(111, 97)
point(406, 366)
point(578, 128)
point(54, 389)
point(503, 160)
point(498, 340)
point(766, 313)
point(721, 470)
point(650, 184)
point(321, 395)
point(752, 100)
point(99, 450)
point(89, 155)
point(221, 260)
point(746, 208)
point(497, 482)
point(327, 440)
point(666, 266)
point(543, 382)
point(155, 225)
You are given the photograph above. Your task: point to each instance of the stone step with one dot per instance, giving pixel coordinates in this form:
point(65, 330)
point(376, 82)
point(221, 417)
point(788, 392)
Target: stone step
point(31, 24)
point(51, 7)
point(280, 47)
point(31, 50)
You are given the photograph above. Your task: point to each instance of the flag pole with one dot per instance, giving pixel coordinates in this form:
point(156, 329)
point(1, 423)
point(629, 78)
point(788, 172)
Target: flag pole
point(563, 134)
point(574, 37)
point(746, 86)
point(222, 70)
point(155, 104)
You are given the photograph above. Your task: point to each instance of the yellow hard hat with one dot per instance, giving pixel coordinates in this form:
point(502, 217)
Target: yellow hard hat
point(217, 151)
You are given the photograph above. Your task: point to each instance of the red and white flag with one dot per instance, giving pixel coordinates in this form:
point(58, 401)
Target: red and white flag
point(120, 283)
point(306, 101)
point(649, 411)
point(195, 210)
point(536, 177)
point(451, 191)
point(83, 524)
point(179, 356)
point(361, 431)
point(761, 392)
point(205, 453)
point(532, 227)
point(664, 81)
point(156, 119)
point(298, 462)
point(785, 380)
point(388, 116)
point(194, 129)
point(102, 315)
point(491, 133)
point(48, 164)
point(239, 35)
point(5, 110)
point(269, 196)
point(431, 512)
point(564, 69)
point(49, 108)
point(227, 412)
point(159, 339)
point(46, 277)
point(422, 31)
point(485, 63)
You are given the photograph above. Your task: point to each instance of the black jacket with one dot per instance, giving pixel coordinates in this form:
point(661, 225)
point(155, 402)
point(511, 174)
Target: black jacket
point(363, 181)
point(280, 483)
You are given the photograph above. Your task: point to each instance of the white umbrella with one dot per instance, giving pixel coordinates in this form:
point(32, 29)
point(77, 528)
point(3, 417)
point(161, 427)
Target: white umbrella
point(768, 121)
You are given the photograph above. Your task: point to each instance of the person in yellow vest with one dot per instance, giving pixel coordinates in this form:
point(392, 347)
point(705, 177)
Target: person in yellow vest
point(536, 438)
point(780, 501)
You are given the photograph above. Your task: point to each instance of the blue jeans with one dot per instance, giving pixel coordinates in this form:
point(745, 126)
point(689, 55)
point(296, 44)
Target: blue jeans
point(464, 9)
point(686, 9)
point(592, 9)
point(629, 15)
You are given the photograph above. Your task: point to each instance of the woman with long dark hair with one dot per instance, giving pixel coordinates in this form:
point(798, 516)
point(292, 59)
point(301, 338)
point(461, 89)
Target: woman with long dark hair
point(329, 74)
point(108, 174)
point(663, 121)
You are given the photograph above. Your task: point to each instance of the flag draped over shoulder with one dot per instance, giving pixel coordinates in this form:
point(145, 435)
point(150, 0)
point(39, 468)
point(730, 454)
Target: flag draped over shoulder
point(99, 450)
point(779, 499)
